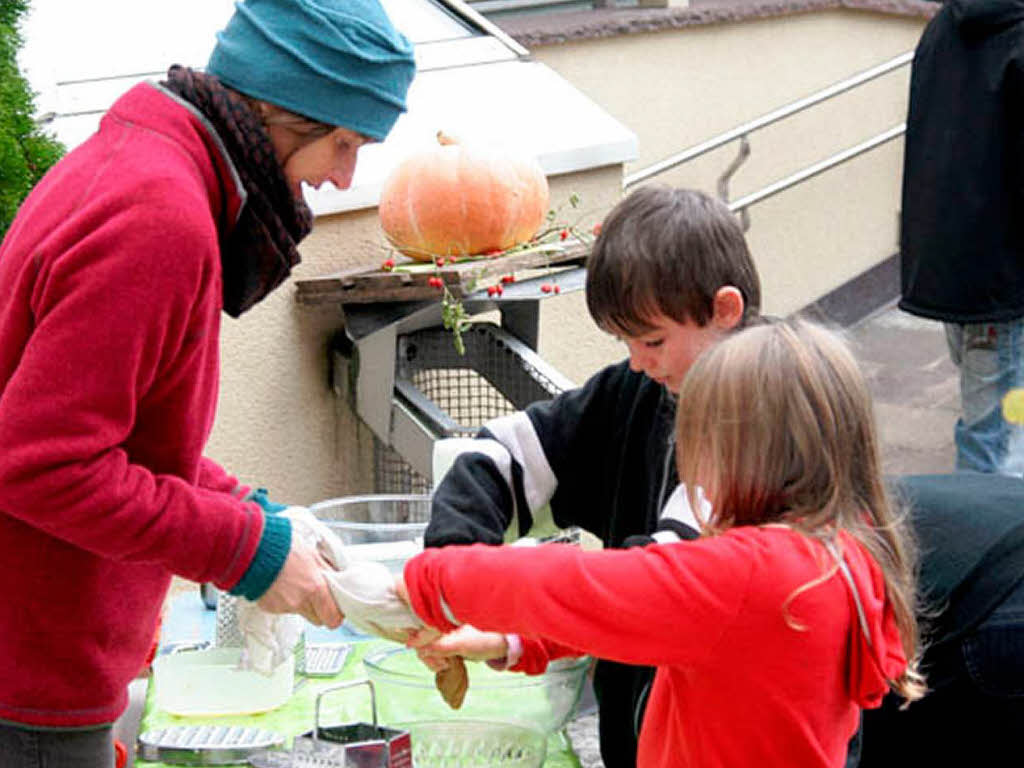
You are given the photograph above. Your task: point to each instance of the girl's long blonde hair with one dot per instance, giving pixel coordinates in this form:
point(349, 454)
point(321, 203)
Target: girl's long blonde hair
point(778, 421)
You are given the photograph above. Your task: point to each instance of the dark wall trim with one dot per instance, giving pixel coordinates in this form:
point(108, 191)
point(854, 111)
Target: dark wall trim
point(539, 28)
point(859, 298)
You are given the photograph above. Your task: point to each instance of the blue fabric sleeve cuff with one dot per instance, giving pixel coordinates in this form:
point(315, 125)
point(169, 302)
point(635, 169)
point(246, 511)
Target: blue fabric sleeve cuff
point(261, 497)
point(273, 550)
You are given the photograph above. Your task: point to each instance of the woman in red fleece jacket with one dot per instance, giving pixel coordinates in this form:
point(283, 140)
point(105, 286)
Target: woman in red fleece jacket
point(187, 201)
point(792, 612)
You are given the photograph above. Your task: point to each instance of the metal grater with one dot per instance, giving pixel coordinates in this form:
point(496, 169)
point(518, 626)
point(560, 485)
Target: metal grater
point(325, 659)
point(350, 745)
point(206, 744)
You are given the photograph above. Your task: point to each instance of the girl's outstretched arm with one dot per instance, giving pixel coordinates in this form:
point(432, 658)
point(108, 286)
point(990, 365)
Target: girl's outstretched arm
point(663, 604)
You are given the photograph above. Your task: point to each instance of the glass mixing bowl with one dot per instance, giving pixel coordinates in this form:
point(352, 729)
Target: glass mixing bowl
point(387, 528)
point(406, 692)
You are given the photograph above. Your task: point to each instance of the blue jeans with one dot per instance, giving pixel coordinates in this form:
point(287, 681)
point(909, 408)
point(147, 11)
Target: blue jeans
point(27, 748)
point(990, 357)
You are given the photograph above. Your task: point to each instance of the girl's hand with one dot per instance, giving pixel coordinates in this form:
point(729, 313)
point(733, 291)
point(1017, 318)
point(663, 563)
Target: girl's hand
point(413, 636)
point(401, 590)
point(467, 642)
point(435, 649)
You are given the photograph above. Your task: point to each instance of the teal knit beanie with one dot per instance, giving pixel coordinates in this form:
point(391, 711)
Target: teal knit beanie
point(339, 62)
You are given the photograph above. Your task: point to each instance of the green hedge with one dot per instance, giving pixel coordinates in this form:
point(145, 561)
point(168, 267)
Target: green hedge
point(26, 152)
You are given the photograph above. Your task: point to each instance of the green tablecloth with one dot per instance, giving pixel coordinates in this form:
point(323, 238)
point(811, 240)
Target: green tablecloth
point(297, 714)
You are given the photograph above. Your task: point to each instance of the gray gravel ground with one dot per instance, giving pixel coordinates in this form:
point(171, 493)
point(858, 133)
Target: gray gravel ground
point(583, 735)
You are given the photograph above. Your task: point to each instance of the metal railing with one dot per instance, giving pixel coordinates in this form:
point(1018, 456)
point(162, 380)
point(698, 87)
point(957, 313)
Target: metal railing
point(741, 133)
point(813, 170)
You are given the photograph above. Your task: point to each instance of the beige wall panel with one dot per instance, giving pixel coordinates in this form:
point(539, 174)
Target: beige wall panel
point(678, 88)
point(569, 340)
point(826, 231)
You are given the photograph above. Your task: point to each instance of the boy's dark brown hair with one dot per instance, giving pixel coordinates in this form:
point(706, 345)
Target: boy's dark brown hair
point(667, 251)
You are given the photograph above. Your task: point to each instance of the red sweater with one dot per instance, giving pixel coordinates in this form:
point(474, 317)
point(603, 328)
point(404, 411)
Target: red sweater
point(736, 685)
point(110, 301)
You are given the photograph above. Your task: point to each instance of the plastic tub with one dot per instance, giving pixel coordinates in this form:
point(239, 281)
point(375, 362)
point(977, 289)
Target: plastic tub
point(387, 528)
point(406, 692)
point(208, 682)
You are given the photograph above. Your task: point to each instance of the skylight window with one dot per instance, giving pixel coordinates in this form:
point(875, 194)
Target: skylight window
point(80, 57)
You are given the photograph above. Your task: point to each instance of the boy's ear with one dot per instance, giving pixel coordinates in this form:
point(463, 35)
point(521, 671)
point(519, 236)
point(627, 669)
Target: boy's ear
point(728, 308)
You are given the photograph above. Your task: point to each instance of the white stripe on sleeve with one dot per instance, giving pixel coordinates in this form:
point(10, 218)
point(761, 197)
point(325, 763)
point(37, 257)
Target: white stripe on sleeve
point(678, 507)
point(516, 433)
point(446, 451)
point(453, 446)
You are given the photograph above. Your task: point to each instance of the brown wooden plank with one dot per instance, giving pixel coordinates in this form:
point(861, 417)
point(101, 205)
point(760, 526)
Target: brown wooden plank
point(363, 286)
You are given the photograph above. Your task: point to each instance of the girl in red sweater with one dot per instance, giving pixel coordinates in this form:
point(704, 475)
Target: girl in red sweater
point(792, 612)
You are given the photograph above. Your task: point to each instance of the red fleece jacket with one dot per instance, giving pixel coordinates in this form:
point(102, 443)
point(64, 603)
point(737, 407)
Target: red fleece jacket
point(736, 684)
point(110, 300)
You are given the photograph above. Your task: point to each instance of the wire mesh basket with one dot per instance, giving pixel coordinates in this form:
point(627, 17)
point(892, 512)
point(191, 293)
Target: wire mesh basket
point(497, 375)
point(393, 474)
point(455, 395)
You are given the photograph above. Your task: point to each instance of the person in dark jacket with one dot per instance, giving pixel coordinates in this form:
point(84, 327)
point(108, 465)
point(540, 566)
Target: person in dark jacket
point(670, 274)
point(962, 240)
point(970, 529)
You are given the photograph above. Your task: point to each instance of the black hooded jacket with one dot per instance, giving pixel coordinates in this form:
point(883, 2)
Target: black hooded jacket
point(962, 239)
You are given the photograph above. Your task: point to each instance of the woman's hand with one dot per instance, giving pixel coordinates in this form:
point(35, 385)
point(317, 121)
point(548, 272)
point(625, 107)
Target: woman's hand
point(301, 587)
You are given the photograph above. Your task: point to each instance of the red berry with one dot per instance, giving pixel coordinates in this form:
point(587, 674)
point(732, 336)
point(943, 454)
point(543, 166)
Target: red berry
point(556, 289)
point(545, 288)
point(451, 259)
point(508, 278)
point(597, 229)
point(435, 282)
point(387, 265)
point(500, 290)
point(563, 234)
point(492, 290)
point(439, 261)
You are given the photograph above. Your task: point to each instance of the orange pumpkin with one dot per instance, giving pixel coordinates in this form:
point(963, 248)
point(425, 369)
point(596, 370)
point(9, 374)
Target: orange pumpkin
point(458, 200)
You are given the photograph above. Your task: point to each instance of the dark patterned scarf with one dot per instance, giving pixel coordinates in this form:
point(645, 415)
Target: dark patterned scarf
point(258, 253)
